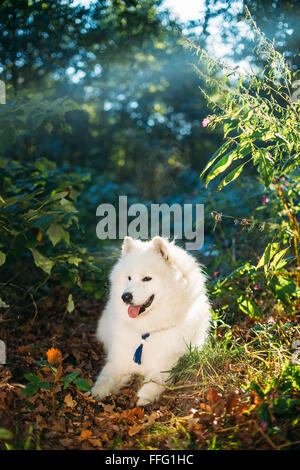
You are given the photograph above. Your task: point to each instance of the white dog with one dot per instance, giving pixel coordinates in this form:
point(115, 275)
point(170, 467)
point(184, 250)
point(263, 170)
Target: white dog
point(156, 309)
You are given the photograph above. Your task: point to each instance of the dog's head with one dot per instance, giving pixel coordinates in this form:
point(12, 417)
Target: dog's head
point(149, 283)
point(144, 265)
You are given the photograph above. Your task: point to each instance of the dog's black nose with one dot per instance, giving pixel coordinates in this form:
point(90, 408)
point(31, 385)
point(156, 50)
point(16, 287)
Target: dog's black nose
point(127, 297)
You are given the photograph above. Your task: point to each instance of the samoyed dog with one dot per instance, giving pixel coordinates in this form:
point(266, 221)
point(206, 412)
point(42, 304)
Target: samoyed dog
point(157, 308)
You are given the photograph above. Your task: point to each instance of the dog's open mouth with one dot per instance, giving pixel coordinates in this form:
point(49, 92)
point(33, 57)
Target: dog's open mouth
point(135, 310)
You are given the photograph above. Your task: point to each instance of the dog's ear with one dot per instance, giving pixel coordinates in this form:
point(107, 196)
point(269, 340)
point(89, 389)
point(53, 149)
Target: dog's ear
point(161, 246)
point(127, 246)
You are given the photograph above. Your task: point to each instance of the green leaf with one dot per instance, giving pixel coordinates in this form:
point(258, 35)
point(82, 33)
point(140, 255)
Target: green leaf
point(268, 254)
point(31, 389)
point(41, 261)
point(2, 258)
point(69, 378)
point(265, 165)
point(32, 378)
point(278, 262)
point(249, 307)
point(67, 206)
point(256, 388)
point(229, 126)
point(70, 306)
point(241, 151)
point(282, 405)
point(5, 434)
point(44, 363)
point(232, 176)
point(33, 386)
point(214, 157)
point(58, 195)
point(56, 233)
point(45, 385)
point(263, 413)
point(82, 384)
point(3, 304)
point(282, 288)
point(74, 260)
point(88, 286)
point(221, 166)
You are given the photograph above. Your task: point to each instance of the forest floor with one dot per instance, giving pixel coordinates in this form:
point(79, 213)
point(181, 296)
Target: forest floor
point(189, 415)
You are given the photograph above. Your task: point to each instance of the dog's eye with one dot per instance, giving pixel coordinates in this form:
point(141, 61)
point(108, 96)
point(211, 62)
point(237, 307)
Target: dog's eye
point(129, 278)
point(147, 278)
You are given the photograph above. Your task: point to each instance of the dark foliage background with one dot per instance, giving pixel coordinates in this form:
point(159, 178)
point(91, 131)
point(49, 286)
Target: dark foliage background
point(103, 100)
point(112, 97)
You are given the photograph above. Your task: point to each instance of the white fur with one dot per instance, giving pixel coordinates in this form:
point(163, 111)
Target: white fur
point(178, 316)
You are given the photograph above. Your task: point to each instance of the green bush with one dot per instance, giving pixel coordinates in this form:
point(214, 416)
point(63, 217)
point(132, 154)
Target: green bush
point(261, 126)
point(41, 235)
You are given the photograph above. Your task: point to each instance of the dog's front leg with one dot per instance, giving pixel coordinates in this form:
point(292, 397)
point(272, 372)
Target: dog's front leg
point(151, 389)
point(109, 381)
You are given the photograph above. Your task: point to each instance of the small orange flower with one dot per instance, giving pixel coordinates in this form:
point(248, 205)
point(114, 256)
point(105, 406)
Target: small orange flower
point(54, 356)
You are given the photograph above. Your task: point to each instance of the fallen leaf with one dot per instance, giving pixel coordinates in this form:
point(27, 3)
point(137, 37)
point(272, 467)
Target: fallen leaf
point(108, 408)
point(85, 434)
point(86, 445)
point(213, 396)
point(65, 442)
point(232, 401)
point(41, 408)
point(96, 443)
point(219, 407)
point(133, 430)
point(69, 401)
point(132, 415)
point(25, 349)
point(128, 392)
point(205, 407)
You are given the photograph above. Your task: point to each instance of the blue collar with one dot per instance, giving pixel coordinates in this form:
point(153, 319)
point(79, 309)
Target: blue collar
point(137, 357)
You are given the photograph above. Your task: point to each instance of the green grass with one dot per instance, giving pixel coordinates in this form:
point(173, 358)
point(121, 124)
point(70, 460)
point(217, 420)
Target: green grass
point(256, 363)
point(229, 358)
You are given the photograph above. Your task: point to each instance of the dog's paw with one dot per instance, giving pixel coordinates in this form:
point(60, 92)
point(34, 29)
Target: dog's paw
point(143, 401)
point(149, 393)
point(97, 393)
point(100, 390)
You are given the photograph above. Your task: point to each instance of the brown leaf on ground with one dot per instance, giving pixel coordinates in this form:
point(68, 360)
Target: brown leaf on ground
point(96, 443)
point(25, 349)
point(131, 415)
point(85, 434)
point(152, 418)
point(219, 407)
point(65, 442)
point(135, 429)
point(128, 392)
point(213, 396)
point(232, 401)
point(205, 407)
point(69, 401)
point(108, 408)
point(41, 408)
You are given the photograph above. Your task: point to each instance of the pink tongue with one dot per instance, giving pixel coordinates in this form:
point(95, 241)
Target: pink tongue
point(133, 311)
